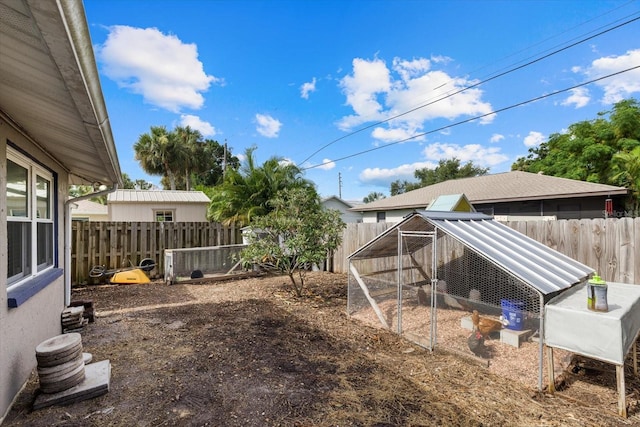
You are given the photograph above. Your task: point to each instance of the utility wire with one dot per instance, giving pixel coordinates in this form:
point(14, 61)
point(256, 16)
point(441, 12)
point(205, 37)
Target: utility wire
point(470, 87)
point(510, 107)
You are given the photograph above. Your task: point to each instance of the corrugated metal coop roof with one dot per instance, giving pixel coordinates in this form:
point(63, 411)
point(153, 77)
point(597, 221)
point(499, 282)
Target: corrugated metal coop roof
point(543, 268)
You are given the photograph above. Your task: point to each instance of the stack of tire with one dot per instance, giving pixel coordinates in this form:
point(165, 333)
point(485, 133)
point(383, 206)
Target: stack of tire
point(60, 363)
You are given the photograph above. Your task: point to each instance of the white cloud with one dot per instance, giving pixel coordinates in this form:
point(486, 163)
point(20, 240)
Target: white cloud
point(307, 88)
point(394, 135)
point(362, 88)
point(384, 176)
point(160, 67)
point(620, 86)
point(533, 139)
point(376, 92)
point(267, 126)
point(579, 97)
point(195, 122)
point(496, 137)
point(327, 164)
point(476, 153)
point(286, 162)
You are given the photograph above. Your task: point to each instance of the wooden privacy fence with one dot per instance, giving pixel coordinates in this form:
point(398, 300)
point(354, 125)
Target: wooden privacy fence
point(122, 244)
point(609, 246)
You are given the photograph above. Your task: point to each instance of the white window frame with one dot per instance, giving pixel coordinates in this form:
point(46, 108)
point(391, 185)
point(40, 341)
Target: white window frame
point(164, 212)
point(35, 217)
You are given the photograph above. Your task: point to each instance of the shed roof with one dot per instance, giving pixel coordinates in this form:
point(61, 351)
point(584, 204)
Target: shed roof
point(451, 202)
point(543, 268)
point(500, 187)
point(157, 196)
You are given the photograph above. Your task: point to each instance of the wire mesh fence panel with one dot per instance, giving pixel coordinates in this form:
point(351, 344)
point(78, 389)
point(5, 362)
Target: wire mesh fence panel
point(438, 291)
point(372, 293)
point(416, 254)
point(508, 313)
point(189, 263)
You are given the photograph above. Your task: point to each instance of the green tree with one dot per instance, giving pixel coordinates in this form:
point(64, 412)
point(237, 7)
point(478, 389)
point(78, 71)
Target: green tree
point(158, 154)
point(593, 150)
point(81, 190)
point(446, 170)
point(626, 170)
point(213, 160)
point(188, 147)
point(297, 233)
point(141, 184)
point(373, 196)
point(245, 192)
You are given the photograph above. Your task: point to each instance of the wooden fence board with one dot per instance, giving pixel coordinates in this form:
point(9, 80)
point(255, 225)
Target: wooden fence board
point(121, 244)
point(609, 246)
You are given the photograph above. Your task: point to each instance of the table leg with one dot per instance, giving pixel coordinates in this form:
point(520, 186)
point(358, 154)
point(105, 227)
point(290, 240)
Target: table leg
point(622, 392)
point(550, 371)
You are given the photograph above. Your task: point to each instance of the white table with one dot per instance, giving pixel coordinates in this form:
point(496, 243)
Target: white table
point(608, 337)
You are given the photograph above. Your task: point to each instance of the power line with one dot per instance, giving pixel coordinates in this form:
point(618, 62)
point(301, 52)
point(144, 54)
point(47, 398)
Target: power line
point(493, 77)
point(519, 104)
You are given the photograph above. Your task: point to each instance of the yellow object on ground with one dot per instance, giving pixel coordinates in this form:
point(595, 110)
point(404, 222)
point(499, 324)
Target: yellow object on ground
point(135, 276)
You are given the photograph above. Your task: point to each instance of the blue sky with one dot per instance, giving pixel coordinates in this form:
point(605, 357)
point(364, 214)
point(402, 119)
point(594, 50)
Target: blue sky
point(362, 92)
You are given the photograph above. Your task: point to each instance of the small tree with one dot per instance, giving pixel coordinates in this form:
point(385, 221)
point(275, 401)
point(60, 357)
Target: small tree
point(296, 234)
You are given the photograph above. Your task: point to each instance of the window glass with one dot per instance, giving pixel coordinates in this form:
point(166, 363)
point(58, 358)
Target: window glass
point(17, 190)
point(166, 216)
point(19, 254)
point(45, 245)
point(30, 225)
point(43, 195)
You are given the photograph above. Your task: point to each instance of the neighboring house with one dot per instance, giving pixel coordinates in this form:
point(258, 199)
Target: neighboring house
point(158, 205)
point(86, 210)
point(54, 131)
point(515, 193)
point(345, 208)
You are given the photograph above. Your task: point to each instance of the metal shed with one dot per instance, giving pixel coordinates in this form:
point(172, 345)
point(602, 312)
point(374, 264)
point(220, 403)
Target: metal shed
point(423, 277)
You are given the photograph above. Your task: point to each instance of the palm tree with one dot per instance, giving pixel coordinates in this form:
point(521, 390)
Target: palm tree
point(188, 151)
point(157, 154)
point(246, 193)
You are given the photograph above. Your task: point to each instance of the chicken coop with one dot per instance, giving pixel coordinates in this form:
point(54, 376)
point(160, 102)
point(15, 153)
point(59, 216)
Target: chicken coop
point(425, 277)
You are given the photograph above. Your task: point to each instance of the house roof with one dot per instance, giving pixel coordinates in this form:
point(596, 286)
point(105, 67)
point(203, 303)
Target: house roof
point(50, 88)
point(500, 187)
point(87, 207)
point(339, 200)
point(156, 196)
point(541, 267)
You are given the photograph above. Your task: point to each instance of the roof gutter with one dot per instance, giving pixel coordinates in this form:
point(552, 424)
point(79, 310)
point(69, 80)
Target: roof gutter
point(73, 15)
point(67, 238)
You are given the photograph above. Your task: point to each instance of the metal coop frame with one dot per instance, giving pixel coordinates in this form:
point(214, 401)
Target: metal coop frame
point(424, 276)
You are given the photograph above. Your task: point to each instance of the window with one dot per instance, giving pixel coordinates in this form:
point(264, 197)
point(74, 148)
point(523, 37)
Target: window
point(29, 203)
point(164, 216)
point(381, 216)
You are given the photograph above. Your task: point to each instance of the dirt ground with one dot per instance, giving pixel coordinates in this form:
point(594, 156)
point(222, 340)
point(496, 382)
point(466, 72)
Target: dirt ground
point(249, 353)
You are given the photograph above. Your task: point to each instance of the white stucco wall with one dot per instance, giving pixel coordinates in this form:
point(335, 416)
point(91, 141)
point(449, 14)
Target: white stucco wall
point(347, 216)
point(391, 216)
point(24, 327)
point(144, 212)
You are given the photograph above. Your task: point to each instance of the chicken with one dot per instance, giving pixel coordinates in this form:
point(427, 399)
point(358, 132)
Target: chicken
point(484, 325)
point(476, 343)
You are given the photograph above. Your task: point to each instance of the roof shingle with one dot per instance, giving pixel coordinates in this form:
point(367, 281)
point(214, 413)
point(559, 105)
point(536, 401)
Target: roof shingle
point(500, 187)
